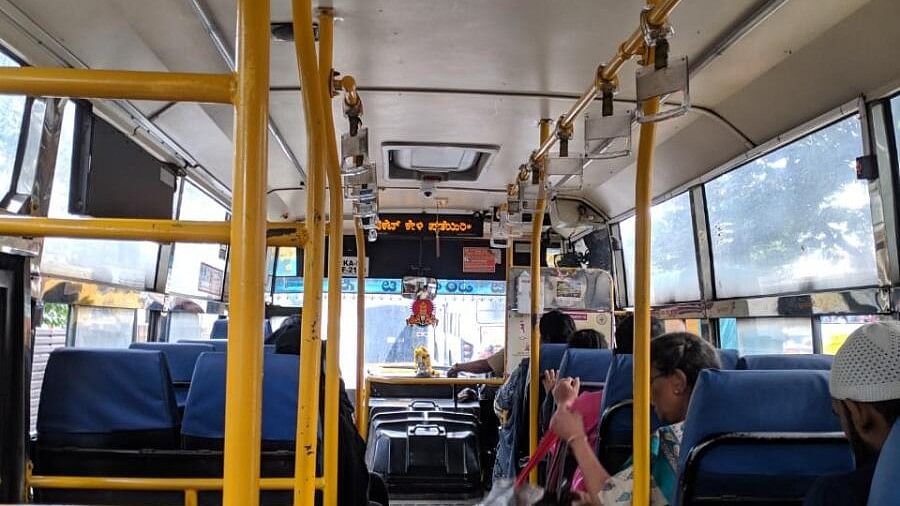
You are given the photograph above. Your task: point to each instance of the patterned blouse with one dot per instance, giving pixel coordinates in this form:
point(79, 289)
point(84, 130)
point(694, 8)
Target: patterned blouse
point(664, 449)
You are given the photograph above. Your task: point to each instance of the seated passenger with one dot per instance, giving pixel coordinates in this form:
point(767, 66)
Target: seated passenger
point(676, 360)
point(587, 338)
point(555, 327)
point(353, 475)
point(494, 364)
point(624, 335)
point(865, 391)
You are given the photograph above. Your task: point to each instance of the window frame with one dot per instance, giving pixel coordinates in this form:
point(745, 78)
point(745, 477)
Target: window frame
point(789, 140)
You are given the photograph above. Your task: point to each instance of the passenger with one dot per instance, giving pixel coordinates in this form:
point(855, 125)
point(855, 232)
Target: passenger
point(353, 476)
point(555, 327)
point(495, 364)
point(865, 391)
point(676, 362)
point(625, 333)
point(587, 338)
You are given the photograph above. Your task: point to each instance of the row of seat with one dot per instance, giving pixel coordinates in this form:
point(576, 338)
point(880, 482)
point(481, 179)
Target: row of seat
point(101, 398)
point(760, 429)
point(220, 329)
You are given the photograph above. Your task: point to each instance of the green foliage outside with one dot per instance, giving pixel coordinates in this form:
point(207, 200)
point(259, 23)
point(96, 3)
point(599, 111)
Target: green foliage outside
point(56, 316)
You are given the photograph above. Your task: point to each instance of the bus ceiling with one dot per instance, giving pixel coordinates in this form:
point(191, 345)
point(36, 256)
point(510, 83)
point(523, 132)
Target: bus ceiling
point(754, 75)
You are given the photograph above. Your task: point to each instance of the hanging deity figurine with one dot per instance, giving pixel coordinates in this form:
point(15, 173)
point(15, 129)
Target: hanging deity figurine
point(423, 363)
point(422, 313)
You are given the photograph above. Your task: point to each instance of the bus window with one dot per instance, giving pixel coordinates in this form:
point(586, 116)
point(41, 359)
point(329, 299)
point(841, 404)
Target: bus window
point(836, 329)
point(12, 111)
point(124, 263)
point(673, 257)
point(895, 113)
point(198, 269)
point(760, 336)
point(103, 327)
point(794, 220)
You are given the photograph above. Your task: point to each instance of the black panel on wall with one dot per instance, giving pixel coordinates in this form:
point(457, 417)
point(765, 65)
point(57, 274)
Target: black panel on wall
point(397, 257)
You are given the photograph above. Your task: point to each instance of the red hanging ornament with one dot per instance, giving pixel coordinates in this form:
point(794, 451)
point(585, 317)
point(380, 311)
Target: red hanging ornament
point(422, 313)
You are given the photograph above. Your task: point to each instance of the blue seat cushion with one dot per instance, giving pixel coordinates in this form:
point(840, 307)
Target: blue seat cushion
point(765, 402)
point(551, 355)
point(103, 398)
point(590, 365)
point(219, 329)
point(204, 414)
point(887, 473)
point(785, 362)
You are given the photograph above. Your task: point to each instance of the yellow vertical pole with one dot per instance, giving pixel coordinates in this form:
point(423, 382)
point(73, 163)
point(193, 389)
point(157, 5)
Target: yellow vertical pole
point(642, 202)
point(362, 399)
point(243, 402)
point(313, 258)
point(509, 266)
point(534, 366)
point(335, 256)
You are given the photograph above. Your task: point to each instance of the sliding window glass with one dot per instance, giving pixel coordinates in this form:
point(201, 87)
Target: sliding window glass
point(673, 273)
point(124, 263)
point(895, 116)
point(12, 112)
point(198, 269)
point(794, 220)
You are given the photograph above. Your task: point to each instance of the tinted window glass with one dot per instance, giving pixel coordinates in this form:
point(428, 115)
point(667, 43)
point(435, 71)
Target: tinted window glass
point(796, 219)
point(12, 110)
point(126, 263)
point(198, 269)
point(673, 274)
point(762, 336)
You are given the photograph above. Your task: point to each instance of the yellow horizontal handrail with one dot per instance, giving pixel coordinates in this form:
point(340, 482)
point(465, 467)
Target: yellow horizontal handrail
point(632, 46)
point(400, 380)
point(118, 84)
point(219, 232)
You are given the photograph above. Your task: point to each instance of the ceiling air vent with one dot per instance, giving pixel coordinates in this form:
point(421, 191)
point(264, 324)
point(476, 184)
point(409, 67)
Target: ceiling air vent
point(449, 162)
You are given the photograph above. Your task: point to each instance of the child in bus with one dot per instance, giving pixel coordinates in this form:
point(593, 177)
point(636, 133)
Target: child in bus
point(676, 360)
point(865, 391)
point(587, 338)
point(624, 335)
point(555, 327)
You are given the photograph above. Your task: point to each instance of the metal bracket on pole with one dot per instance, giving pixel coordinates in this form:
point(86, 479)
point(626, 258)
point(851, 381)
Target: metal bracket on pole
point(355, 152)
point(671, 80)
point(607, 137)
point(361, 186)
point(565, 172)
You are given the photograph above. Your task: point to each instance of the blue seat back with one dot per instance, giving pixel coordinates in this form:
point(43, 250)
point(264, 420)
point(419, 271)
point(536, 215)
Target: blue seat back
point(615, 417)
point(887, 473)
point(757, 403)
point(181, 358)
point(728, 359)
point(785, 362)
point(219, 345)
point(204, 414)
point(107, 398)
point(551, 355)
point(590, 365)
point(219, 329)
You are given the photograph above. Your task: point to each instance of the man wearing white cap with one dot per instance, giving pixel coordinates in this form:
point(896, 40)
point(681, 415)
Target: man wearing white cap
point(865, 391)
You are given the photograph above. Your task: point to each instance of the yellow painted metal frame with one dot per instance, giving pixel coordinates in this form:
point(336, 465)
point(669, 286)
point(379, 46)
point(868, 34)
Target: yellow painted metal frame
point(248, 91)
point(658, 13)
point(313, 264)
point(218, 232)
point(243, 400)
point(190, 486)
point(643, 196)
point(335, 258)
point(362, 395)
point(119, 84)
point(537, 223)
